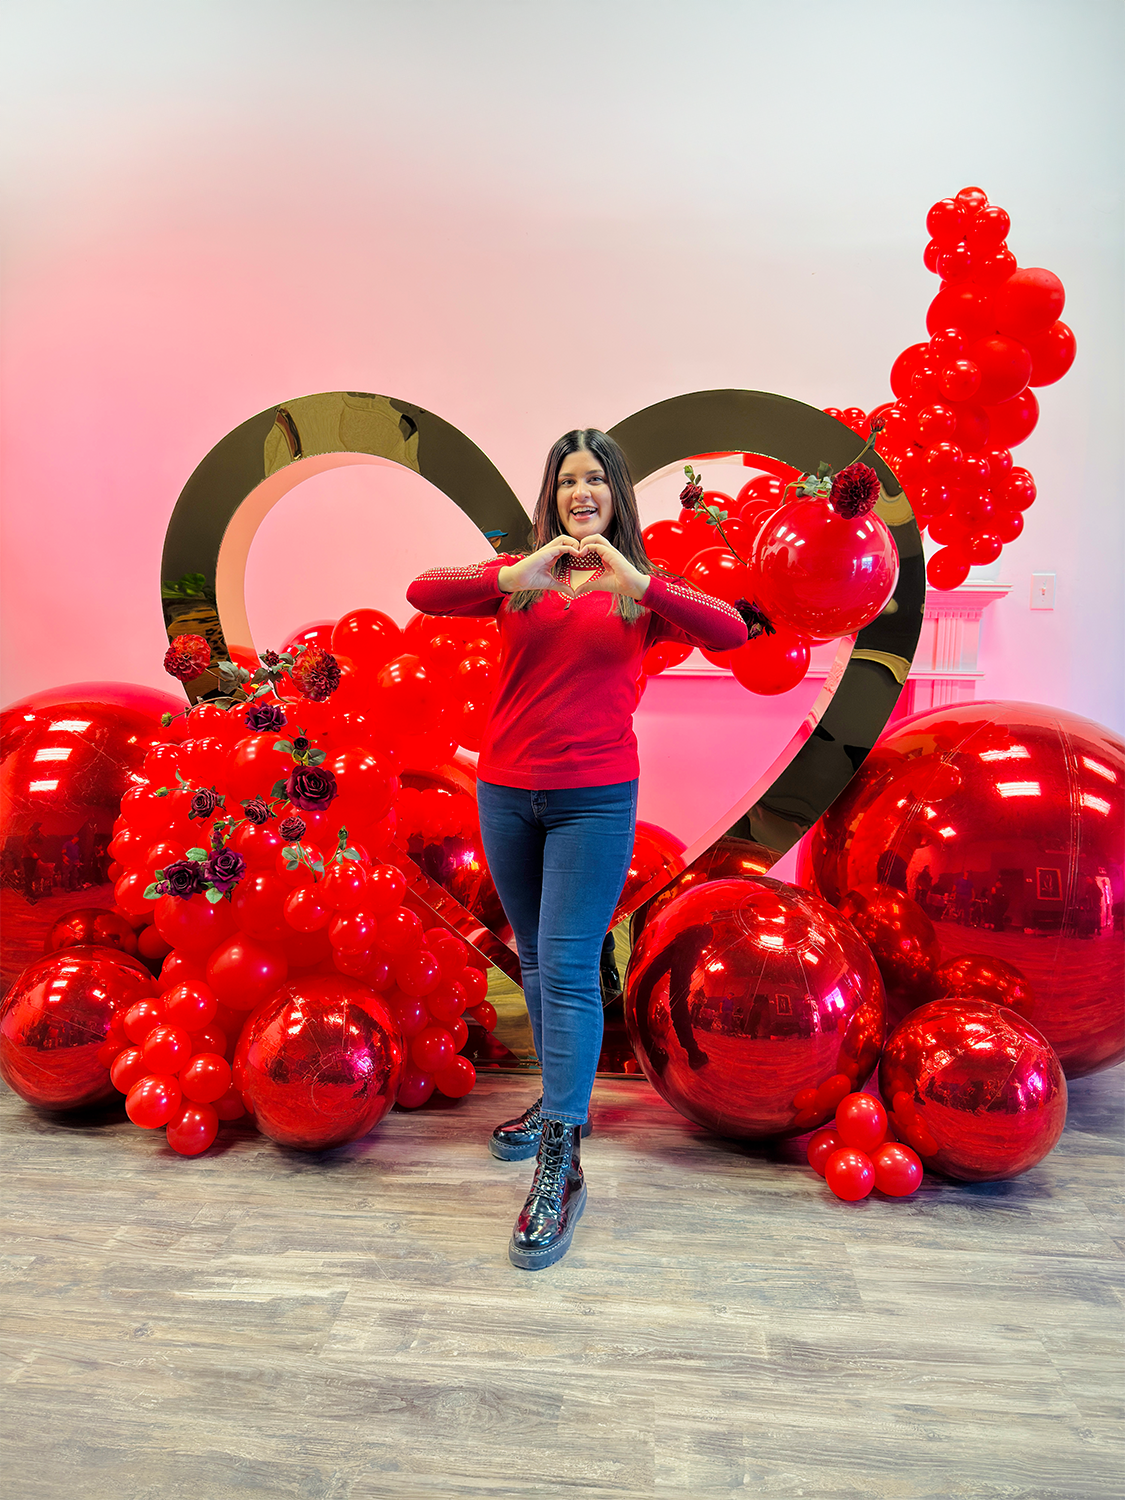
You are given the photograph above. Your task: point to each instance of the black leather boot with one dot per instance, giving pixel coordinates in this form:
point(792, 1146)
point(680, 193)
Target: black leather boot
point(555, 1203)
point(516, 1140)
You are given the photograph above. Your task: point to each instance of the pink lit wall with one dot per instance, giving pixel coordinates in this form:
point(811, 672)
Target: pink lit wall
point(525, 218)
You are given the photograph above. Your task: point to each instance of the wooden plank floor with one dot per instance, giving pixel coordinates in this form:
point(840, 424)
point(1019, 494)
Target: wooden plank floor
point(260, 1322)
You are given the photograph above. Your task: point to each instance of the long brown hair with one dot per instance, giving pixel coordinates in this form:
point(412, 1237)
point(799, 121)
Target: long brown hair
point(624, 530)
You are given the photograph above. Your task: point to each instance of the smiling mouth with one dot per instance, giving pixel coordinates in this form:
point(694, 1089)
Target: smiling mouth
point(586, 511)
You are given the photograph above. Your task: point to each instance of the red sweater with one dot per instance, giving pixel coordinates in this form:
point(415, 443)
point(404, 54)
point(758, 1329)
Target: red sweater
point(569, 671)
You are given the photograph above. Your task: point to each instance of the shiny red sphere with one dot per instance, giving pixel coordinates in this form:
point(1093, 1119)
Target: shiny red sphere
point(821, 575)
point(91, 927)
point(850, 1174)
point(898, 1169)
point(55, 1020)
point(902, 938)
point(1011, 816)
point(753, 1008)
point(975, 1090)
point(320, 1063)
point(861, 1121)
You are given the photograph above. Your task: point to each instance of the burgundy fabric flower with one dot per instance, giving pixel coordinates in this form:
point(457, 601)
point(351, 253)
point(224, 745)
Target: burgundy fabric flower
point(757, 621)
point(224, 869)
point(316, 674)
point(204, 802)
point(691, 495)
point(292, 829)
point(265, 717)
point(182, 878)
point(187, 657)
point(854, 491)
point(300, 745)
point(311, 788)
point(257, 810)
point(270, 659)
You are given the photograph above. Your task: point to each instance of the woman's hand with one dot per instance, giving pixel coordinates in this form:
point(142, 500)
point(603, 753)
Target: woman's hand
point(536, 571)
point(620, 576)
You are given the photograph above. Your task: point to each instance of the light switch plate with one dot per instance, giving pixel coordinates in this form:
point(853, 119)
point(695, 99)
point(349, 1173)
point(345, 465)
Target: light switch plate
point(1042, 591)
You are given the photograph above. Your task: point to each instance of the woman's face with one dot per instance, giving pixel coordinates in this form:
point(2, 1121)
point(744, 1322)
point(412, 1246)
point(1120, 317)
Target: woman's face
point(584, 498)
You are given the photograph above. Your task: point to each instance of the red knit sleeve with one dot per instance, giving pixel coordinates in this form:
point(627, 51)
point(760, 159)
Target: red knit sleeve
point(681, 613)
point(459, 591)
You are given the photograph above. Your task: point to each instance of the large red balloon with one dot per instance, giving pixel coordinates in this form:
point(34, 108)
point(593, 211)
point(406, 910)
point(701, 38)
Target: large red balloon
point(771, 664)
point(243, 971)
point(55, 1020)
point(1012, 421)
point(1005, 367)
point(320, 1064)
point(753, 1008)
point(67, 755)
point(369, 637)
point(1052, 354)
point(1029, 302)
point(822, 575)
point(903, 940)
point(656, 859)
point(975, 1090)
point(1024, 805)
point(963, 306)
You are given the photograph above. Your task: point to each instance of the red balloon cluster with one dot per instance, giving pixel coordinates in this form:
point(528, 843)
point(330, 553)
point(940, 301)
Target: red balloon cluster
point(966, 397)
point(814, 574)
point(859, 1153)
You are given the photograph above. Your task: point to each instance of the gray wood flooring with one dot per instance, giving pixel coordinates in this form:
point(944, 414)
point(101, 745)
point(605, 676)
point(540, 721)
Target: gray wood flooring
point(258, 1322)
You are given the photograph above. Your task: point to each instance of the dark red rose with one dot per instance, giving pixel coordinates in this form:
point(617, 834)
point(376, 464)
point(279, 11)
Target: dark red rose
point(181, 878)
point(311, 788)
point(187, 657)
point(691, 495)
point(257, 810)
point(757, 622)
point(854, 491)
point(292, 829)
point(204, 802)
point(265, 717)
point(224, 870)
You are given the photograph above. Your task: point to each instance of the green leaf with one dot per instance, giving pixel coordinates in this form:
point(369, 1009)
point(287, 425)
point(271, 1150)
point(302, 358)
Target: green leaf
point(228, 669)
point(180, 777)
point(315, 757)
point(287, 657)
point(350, 853)
point(213, 895)
point(291, 861)
point(243, 675)
point(278, 788)
point(285, 746)
point(151, 893)
point(158, 874)
point(197, 856)
point(317, 865)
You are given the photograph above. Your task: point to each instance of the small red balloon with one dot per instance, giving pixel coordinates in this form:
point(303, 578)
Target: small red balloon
point(166, 1049)
point(849, 1174)
point(898, 1169)
point(862, 1122)
point(127, 1068)
point(152, 1101)
point(456, 1079)
point(141, 1018)
point(432, 1049)
point(206, 1078)
point(191, 1005)
point(415, 1089)
point(193, 1129)
point(822, 1144)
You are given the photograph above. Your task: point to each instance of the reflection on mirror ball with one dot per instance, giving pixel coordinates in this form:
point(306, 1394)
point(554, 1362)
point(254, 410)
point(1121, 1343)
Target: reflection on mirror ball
point(1003, 822)
point(54, 1022)
point(68, 755)
point(974, 1089)
point(319, 1062)
point(902, 938)
point(753, 1007)
point(727, 859)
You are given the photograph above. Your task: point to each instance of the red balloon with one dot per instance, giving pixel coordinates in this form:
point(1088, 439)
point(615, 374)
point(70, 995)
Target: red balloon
point(959, 380)
point(447, 1004)
point(975, 1090)
point(258, 844)
point(385, 889)
point(821, 575)
point(242, 971)
point(821, 1146)
point(366, 784)
point(415, 1089)
point(988, 228)
point(1029, 302)
point(1017, 491)
point(990, 269)
point(484, 1014)
point(715, 571)
point(946, 222)
point(972, 427)
point(91, 927)
point(955, 264)
point(948, 568)
point(344, 886)
point(141, 1017)
point(254, 766)
point(304, 910)
point(1008, 524)
point(663, 655)
point(978, 793)
point(474, 983)
point(983, 976)
point(972, 200)
point(230, 1106)
point(369, 637)
point(195, 926)
point(399, 931)
point(862, 1122)
point(732, 1022)
point(898, 1171)
point(319, 1064)
point(259, 905)
point(353, 932)
point(127, 1068)
point(1014, 420)
point(206, 1078)
point(410, 695)
point(192, 1129)
point(165, 1049)
point(963, 306)
point(1005, 367)
point(935, 423)
point(456, 1079)
point(189, 1005)
point(152, 1101)
point(771, 664)
point(417, 973)
point(1052, 354)
point(432, 1049)
point(984, 547)
point(849, 1174)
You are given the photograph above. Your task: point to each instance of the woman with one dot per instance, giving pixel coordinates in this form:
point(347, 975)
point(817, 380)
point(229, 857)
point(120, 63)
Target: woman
point(557, 778)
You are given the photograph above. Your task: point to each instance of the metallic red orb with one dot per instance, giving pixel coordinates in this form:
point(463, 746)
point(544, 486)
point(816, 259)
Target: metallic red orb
point(1004, 822)
point(67, 755)
point(974, 1089)
point(727, 859)
point(91, 926)
point(902, 938)
point(657, 856)
point(319, 1063)
point(820, 574)
point(978, 976)
point(54, 1022)
point(753, 1007)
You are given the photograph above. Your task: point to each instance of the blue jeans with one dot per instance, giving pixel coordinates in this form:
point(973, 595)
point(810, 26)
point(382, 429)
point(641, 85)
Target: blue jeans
point(559, 861)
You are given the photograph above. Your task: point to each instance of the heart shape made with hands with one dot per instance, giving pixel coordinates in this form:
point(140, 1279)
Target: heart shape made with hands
point(249, 470)
point(570, 563)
